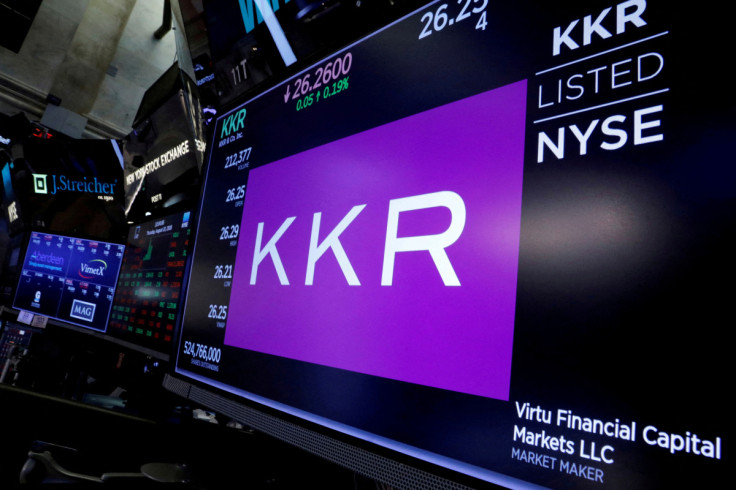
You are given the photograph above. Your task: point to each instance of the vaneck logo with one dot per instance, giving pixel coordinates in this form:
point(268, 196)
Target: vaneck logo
point(62, 183)
point(95, 268)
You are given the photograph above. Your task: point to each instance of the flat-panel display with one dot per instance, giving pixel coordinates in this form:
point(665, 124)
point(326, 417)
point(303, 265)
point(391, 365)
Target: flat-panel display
point(487, 241)
point(69, 279)
point(148, 294)
point(71, 187)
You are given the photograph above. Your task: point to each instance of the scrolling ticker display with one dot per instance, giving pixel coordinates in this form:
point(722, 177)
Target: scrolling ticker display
point(69, 279)
point(488, 236)
point(149, 288)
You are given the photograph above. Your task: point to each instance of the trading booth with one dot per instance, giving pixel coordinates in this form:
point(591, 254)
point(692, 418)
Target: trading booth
point(410, 244)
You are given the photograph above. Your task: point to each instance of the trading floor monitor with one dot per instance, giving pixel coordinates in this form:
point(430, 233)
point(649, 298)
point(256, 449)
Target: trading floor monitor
point(69, 279)
point(484, 244)
point(149, 291)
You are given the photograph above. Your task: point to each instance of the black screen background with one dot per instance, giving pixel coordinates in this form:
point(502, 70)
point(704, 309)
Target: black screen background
point(630, 328)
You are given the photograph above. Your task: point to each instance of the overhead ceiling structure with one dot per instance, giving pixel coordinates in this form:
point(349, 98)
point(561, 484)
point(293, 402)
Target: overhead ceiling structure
point(84, 65)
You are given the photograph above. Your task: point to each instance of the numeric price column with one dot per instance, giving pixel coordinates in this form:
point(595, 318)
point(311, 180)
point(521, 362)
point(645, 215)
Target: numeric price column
point(211, 274)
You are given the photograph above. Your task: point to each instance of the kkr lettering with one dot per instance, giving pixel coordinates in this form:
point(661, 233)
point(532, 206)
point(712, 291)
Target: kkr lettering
point(434, 244)
point(629, 12)
point(368, 252)
point(233, 123)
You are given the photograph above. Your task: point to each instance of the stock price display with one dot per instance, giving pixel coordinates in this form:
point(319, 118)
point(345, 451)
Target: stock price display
point(502, 209)
point(148, 297)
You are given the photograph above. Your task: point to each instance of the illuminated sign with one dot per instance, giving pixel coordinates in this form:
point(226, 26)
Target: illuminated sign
point(206, 79)
point(160, 161)
point(39, 184)
point(488, 266)
point(61, 183)
point(42, 134)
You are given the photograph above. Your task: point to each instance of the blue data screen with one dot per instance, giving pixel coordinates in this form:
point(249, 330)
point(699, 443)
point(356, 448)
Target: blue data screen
point(69, 279)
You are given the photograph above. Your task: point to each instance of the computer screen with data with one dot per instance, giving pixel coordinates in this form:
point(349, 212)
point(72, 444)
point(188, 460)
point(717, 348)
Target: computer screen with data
point(486, 242)
point(69, 279)
point(148, 295)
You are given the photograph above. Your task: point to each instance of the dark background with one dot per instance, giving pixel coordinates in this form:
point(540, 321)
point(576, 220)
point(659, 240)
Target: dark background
point(620, 306)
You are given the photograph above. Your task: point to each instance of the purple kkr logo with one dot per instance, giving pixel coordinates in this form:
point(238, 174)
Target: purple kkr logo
point(392, 252)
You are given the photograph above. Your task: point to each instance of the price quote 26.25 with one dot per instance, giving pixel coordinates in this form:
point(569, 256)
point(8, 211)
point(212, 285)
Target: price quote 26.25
point(438, 19)
point(218, 312)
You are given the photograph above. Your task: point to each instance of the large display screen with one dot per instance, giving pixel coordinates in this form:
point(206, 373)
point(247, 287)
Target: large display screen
point(148, 293)
point(71, 187)
point(69, 279)
point(163, 154)
point(488, 237)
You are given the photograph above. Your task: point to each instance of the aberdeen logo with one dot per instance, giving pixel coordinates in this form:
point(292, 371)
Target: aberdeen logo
point(82, 310)
point(39, 184)
point(95, 268)
point(47, 258)
point(47, 261)
point(62, 183)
